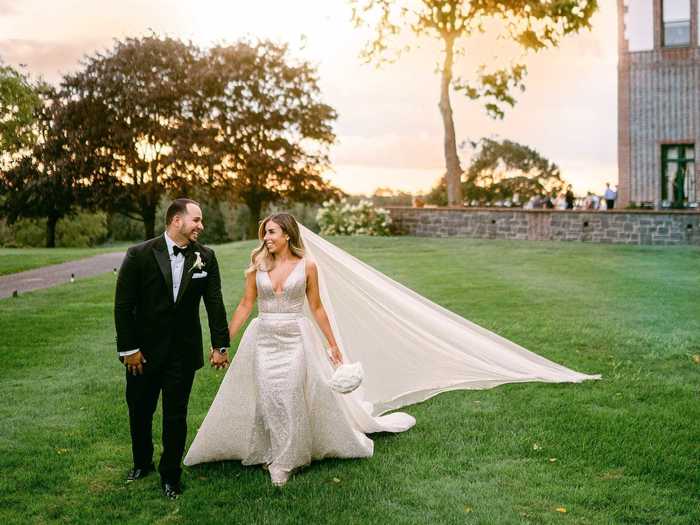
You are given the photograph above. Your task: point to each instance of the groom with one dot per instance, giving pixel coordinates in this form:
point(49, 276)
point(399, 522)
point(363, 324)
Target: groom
point(159, 339)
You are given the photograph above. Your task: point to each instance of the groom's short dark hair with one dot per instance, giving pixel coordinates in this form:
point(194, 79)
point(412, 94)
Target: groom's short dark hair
point(178, 206)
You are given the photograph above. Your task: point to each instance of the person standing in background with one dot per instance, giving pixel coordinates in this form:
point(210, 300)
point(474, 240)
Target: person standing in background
point(569, 197)
point(610, 196)
point(549, 202)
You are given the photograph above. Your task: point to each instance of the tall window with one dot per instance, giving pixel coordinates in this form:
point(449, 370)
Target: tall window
point(676, 18)
point(678, 184)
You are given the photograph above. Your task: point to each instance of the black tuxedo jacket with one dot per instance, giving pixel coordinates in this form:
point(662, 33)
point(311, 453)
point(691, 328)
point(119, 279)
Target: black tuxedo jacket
point(147, 317)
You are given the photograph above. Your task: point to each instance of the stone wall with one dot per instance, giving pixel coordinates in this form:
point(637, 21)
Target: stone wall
point(619, 227)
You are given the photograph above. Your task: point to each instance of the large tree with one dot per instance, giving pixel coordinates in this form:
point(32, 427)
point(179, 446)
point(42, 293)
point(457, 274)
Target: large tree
point(47, 182)
point(531, 24)
point(135, 107)
point(19, 102)
point(502, 170)
point(163, 117)
point(272, 128)
point(499, 170)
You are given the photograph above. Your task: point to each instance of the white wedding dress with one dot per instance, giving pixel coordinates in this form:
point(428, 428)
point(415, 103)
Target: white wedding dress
point(274, 405)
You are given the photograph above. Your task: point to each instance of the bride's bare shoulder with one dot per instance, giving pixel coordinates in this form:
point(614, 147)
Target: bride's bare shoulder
point(310, 264)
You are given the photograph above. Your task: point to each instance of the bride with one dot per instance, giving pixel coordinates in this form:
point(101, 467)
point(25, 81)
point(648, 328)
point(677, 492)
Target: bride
point(275, 406)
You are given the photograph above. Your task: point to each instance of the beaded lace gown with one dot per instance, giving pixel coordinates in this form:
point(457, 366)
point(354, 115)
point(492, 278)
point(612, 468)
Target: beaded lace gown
point(274, 405)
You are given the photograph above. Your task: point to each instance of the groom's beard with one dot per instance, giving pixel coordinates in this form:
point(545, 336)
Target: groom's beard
point(191, 236)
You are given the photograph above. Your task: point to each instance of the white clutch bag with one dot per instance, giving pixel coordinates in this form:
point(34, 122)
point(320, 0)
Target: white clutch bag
point(347, 378)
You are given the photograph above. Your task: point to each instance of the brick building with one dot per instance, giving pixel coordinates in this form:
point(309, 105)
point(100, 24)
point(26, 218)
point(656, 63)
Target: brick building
point(659, 103)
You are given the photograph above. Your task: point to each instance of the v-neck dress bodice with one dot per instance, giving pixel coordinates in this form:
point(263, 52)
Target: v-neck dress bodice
point(290, 299)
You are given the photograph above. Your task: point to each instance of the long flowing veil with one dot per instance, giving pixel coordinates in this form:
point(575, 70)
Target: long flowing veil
point(411, 348)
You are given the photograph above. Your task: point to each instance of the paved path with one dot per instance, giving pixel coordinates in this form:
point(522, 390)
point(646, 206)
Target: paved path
point(56, 274)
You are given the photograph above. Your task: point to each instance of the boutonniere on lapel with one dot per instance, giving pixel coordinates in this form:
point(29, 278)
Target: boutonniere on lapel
point(198, 263)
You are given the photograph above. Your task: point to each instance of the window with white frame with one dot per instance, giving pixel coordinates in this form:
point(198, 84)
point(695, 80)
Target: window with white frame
point(676, 23)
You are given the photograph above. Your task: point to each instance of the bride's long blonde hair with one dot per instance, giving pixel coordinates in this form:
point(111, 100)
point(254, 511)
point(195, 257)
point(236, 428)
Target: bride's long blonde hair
point(260, 258)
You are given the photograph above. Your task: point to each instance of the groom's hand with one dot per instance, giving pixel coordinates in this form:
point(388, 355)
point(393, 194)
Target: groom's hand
point(218, 360)
point(134, 363)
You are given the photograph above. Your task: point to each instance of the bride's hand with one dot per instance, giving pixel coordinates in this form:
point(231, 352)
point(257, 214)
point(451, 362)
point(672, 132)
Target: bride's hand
point(336, 356)
point(217, 359)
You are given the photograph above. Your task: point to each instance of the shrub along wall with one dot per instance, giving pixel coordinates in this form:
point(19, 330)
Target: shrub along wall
point(616, 226)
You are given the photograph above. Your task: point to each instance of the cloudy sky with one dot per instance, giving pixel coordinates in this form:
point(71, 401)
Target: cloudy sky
point(389, 128)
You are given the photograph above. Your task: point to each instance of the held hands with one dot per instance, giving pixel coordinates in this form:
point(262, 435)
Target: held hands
point(134, 363)
point(218, 360)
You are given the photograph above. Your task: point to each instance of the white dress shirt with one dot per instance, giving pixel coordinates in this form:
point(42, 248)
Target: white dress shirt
point(177, 264)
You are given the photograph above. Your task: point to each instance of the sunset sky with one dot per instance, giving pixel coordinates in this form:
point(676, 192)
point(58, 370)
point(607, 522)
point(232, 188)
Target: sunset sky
point(389, 128)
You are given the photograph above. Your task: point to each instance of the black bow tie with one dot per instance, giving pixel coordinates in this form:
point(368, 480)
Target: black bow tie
point(177, 250)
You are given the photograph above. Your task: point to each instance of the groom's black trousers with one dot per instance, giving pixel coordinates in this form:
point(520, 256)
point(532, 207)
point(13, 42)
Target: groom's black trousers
point(142, 392)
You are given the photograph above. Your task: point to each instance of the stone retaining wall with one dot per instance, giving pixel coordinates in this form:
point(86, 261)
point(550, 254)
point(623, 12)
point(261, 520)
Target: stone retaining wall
point(617, 226)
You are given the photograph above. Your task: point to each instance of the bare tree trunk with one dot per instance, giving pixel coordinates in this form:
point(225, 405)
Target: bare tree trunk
point(255, 207)
point(51, 222)
point(454, 170)
point(148, 214)
point(149, 203)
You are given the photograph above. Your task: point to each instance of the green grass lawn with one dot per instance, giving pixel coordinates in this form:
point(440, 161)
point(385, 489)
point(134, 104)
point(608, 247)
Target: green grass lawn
point(13, 260)
point(622, 450)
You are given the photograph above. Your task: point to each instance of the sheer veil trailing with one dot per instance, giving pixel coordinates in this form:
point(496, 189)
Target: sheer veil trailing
point(411, 348)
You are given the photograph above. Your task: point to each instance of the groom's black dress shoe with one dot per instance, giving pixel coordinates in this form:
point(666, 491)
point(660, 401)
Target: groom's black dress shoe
point(171, 490)
point(138, 473)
